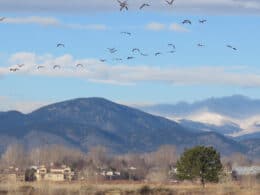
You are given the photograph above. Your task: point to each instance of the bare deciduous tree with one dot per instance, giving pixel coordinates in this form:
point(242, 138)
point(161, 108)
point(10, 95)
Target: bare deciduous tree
point(15, 155)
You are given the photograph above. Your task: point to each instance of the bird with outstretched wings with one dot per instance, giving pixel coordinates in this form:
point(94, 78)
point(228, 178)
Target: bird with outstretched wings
point(40, 67)
point(112, 50)
point(123, 5)
point(134, 50)
point(202, 21)
point(126, 33)
point(200, 45)
point(169, 2)
point(186, 22)
point(20, 65)
point(13, 69)
point(56, 66)
point(130, 58)
point(144, 5)
point(60, 45)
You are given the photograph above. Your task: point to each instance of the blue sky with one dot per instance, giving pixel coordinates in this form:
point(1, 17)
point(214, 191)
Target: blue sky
point(29, 36)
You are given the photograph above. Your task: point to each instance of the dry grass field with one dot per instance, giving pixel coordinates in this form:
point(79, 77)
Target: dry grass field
point(245, 188)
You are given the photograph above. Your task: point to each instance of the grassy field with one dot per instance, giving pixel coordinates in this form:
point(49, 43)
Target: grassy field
point(127, 189)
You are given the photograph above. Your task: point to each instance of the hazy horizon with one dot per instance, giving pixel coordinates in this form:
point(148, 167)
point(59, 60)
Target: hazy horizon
point(25, 106)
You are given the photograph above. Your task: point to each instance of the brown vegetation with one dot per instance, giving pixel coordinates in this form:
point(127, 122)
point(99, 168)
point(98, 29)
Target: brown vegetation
point(123, 188)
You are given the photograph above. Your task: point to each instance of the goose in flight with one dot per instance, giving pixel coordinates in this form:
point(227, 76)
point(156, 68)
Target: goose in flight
point(56, 66)
point(126, 33)
point(112, 50)
point(130, 57)
point(13, 69)
point(2, 19)
point(230, 46)
point(20, 65)
point(169, 2)
point(200, 45)
point(186, 22)
point(202, 21)
point(144, 5)
point(135, 50)
point(172, 45)
point(79, 65)
point(172, 51)
point(102, 60)
point(123, 5)
point(144, 54)
point(117, 59)
point(40, 67)
point(60, 45)
point(157, 53)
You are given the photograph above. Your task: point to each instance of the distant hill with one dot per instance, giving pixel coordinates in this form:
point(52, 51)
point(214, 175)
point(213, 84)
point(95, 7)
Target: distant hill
point(88, 122)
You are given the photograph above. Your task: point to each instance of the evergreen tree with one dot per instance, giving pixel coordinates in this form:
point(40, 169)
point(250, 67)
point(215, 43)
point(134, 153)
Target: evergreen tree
point(199, 162)
point(30, 174)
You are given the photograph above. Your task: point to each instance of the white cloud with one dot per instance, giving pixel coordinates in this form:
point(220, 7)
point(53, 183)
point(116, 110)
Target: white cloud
point(155, 26)
point(181, 6)
point(248, 4)
point(51, 21)
point(178, 28)
point(95, 71)
point(87, 27)
point(33, 20)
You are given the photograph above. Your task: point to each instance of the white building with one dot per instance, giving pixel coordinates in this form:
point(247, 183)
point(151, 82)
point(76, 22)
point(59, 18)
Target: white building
point(62, 173)
point(243, 170)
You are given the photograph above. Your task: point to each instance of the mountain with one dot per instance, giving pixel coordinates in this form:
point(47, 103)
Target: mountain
point(248, 137)
point(225, 129)
point(232, 116)
point(235, 106)
point(88, 122)
point(253, 144)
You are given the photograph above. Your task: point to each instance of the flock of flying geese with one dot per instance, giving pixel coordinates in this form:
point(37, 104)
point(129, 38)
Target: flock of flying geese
point(124, 4)
point(135, 51)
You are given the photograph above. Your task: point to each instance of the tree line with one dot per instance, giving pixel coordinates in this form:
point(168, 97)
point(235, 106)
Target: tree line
point(164, 164)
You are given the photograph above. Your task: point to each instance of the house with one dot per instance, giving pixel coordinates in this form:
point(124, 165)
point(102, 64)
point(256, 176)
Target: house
point(239, 172)
point(56, 174)
point(243, 170)
point(11, 174)
point(62, 173)
point(110, 174)
point(40, 173)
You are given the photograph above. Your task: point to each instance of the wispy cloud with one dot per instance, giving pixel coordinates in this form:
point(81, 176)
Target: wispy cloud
point(33, 20)
point(157, 26)
point(51, 21)
point(178, 28)
point(183, 6)
point(96, 71)
point(87, 27)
